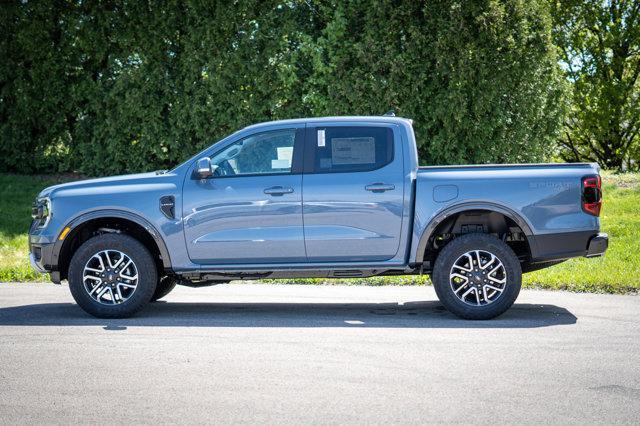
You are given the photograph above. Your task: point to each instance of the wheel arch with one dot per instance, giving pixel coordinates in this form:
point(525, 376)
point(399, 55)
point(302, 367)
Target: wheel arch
point(121, 220)
point(458, 209)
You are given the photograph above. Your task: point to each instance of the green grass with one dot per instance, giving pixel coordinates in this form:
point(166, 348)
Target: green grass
point(617, 272)
point(16, 196)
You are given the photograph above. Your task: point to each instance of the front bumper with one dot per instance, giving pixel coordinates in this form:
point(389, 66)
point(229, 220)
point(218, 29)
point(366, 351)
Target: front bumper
point(598, 244)
point(36, 265)
point(37, 260)
point(43, 255)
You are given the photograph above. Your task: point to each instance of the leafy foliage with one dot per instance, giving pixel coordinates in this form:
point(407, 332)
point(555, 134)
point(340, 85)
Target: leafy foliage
point(600, 44)
point(115, 86)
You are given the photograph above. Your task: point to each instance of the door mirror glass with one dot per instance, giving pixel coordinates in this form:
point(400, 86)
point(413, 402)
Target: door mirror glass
point(204, 169)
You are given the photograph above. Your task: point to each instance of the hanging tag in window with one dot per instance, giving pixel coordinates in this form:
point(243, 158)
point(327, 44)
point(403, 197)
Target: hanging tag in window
point(320, 138)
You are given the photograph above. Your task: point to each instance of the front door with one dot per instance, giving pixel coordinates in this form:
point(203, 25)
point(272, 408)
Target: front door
point(353, 193)
point(250, 210)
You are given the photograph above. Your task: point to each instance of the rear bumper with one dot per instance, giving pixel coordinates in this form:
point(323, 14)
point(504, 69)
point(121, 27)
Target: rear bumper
point(549, 247)
point(598, 244)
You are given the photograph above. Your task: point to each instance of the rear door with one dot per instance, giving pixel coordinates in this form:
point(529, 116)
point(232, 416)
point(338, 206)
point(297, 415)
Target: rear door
point(353, 191)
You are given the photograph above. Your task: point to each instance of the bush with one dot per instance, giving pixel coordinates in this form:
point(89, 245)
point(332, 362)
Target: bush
point(103, 88)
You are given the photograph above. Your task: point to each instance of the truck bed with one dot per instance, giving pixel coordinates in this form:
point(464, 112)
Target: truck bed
point(512, 166)
point(543, 199)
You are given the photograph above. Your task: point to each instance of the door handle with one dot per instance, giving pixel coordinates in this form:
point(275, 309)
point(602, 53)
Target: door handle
point(380, 187)
point(277, 191)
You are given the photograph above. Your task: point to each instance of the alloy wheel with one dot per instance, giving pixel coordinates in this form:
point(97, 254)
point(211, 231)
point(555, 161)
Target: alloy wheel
point(478, 278)
point(110, 277)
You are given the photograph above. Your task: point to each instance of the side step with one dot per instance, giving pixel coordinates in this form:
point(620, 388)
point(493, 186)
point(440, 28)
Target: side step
point(348, 273)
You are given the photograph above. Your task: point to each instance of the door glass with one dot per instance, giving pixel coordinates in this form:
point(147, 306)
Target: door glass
point(262, 153)
point(352, 149)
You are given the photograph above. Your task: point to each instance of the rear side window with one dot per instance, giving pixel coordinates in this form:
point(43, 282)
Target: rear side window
point(352, 149)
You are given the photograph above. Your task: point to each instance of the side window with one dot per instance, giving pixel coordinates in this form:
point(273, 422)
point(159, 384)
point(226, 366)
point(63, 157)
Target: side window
point(352, 149)
point(262, 153)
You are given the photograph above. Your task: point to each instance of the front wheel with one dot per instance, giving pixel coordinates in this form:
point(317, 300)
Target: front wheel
point(164, 287)
point(112, 276)
point(477, 276)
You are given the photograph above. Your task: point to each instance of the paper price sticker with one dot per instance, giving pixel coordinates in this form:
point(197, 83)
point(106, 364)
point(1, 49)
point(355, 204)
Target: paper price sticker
point(321, 138)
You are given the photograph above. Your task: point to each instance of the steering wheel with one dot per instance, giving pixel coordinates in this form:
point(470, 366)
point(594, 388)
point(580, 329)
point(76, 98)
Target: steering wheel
point(224, 169)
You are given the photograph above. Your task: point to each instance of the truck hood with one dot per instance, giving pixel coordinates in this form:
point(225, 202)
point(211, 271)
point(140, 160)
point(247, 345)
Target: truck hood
point(137, 178)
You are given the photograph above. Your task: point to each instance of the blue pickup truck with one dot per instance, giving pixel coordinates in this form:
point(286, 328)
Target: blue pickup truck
point(334, 197)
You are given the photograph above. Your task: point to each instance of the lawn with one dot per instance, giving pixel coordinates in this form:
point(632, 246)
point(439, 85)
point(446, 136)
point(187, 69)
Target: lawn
point(16, 196)
point(617, 272)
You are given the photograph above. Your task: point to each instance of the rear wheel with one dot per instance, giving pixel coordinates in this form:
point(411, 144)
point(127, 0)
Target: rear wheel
point(112, 276)
point(477, 276)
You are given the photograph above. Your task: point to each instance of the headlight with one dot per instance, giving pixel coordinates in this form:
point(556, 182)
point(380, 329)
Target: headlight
point(41, 212)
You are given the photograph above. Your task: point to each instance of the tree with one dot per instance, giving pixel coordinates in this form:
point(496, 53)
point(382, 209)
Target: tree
point(480, 78)
point(600, 45)
point(35, 78)
point(104, 87)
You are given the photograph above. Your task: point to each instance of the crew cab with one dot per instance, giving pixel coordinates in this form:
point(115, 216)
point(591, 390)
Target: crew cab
point(333, 197)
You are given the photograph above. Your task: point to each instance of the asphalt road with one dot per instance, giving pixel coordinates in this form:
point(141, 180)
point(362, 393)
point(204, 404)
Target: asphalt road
point(318, 354)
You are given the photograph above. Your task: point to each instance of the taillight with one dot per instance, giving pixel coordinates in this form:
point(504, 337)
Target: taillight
point(592, 194)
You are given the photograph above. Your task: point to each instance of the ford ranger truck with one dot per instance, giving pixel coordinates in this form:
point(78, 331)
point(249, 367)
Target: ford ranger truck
point(335, 197)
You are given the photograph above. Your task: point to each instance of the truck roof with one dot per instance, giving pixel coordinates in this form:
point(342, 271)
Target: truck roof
point(345, 119)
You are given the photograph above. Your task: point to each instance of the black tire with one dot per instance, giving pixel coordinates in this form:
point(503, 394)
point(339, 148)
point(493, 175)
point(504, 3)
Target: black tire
point(164, 287)
point(461, 245)
point(138, 253)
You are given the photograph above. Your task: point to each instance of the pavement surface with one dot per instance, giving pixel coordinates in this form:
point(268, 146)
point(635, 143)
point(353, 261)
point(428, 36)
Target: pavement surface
point(258, 353)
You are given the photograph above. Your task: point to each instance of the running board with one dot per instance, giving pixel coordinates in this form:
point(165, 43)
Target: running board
point(226, 275)
point(349, 273)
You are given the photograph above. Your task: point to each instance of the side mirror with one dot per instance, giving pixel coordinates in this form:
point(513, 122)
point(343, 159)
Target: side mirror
point(204, 169)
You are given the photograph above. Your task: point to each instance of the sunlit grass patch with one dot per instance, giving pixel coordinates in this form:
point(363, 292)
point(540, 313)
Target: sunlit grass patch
point(617, 272)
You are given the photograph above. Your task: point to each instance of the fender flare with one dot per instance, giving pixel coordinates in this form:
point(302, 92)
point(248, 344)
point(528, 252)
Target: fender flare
point(120, 214)
point(462, 207)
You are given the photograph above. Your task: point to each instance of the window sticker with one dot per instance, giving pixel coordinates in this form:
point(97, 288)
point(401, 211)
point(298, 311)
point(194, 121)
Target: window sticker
point(280, 164)
point(285, 153)
point(353, 150)
point(285, 156)
point(321, 142)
